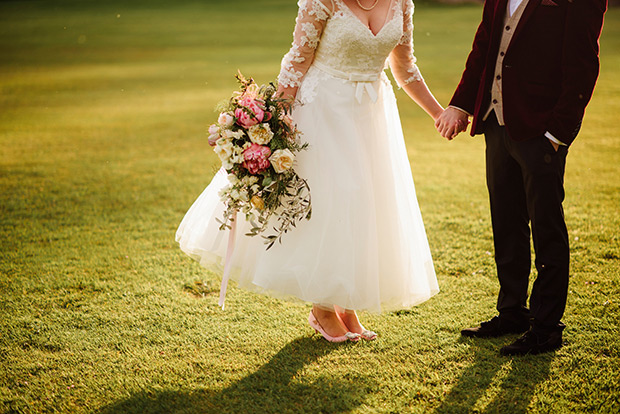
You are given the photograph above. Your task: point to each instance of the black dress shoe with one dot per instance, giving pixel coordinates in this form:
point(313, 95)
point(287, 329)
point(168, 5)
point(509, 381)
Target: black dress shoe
point(495, 327)
point(533, 343)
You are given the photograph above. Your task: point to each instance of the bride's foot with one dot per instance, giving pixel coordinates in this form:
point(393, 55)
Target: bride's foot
point(329, 326)
point(352, 323)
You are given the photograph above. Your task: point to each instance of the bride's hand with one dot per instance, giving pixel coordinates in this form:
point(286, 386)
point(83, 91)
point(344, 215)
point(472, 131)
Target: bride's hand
point(451, 122)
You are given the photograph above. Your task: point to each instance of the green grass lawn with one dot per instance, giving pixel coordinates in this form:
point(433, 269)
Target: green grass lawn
point(103, 115)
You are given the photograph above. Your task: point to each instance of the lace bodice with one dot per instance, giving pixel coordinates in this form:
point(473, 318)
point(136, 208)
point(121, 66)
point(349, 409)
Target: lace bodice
point(328, 33)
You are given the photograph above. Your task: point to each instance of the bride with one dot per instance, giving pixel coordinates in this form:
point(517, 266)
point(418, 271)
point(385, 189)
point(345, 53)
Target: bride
point(365, 247)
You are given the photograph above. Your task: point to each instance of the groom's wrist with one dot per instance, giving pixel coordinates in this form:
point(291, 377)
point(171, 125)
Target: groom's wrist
point(460, 109)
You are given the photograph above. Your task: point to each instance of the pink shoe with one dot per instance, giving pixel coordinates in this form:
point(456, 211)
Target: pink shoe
point(314, 323)
point(368, 335)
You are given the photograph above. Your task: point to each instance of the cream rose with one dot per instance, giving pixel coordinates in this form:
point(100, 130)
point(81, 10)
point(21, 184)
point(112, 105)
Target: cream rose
point(224, 149)
point(260, 134)
point(282, 160)
point(231, 134)
point(233, 179)
point(237, 155)
point(225, 119)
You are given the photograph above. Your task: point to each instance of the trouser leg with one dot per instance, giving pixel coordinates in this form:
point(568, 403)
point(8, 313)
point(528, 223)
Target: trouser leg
point(543, 179)
point(510, 221)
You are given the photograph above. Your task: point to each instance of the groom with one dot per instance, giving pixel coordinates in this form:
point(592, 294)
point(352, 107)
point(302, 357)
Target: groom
point(527, 81)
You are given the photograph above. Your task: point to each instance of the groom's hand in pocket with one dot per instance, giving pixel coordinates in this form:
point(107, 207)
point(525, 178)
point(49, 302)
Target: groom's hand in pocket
point(555, 145)
point(451, 122)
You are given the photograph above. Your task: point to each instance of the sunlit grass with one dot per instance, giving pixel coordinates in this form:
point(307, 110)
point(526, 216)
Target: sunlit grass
point(103, 111)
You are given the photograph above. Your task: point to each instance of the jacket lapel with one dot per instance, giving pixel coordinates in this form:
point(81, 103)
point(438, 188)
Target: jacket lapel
point(527, 13)
point(500, 12)
point(500, 8)
point(497, 27)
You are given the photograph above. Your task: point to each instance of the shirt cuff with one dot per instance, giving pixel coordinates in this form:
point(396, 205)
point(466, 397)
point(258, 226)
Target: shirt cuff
point(460, 109)
point(554, 139)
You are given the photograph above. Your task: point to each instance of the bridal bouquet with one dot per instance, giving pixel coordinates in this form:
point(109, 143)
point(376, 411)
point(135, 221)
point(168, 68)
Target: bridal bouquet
point(256, 140)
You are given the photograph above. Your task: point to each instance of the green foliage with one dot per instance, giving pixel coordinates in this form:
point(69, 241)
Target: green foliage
point(103, 115)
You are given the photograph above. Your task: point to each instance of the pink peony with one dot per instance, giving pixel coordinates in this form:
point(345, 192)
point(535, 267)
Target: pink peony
point(250, 114)
point(256, 158)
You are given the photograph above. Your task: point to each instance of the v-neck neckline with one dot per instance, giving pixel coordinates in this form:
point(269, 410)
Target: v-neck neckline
point(385, 23)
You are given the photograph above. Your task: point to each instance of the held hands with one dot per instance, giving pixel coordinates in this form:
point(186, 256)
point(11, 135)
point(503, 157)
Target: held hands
point(451, 122)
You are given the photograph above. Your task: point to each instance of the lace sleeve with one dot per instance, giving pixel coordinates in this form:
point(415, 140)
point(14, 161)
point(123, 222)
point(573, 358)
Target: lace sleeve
point(309, 25)
point(402, 60)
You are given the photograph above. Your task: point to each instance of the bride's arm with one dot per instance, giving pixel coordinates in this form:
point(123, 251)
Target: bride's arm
point(311, 19)
point(406, 72)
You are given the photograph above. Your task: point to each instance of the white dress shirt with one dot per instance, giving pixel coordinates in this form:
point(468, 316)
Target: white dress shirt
point(512, 6)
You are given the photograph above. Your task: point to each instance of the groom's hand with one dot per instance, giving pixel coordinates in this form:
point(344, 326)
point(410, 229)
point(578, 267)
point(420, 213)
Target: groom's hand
point(451, 122)
point(555, 145)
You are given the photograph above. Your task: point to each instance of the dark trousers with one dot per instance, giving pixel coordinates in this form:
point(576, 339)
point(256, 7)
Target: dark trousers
point(526, 186)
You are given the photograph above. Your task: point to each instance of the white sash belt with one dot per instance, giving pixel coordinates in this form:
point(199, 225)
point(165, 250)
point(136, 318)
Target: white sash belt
point(363, 81)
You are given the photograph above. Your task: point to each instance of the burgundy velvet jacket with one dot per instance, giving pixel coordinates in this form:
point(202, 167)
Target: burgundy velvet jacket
point(550, 67)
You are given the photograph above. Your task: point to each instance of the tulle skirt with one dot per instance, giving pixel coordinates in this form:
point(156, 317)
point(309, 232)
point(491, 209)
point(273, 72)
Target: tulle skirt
point(365, 247)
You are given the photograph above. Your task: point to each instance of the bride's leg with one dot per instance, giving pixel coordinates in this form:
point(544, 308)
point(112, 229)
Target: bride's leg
point(349, 319)
point(329, 321)
point(352, 323)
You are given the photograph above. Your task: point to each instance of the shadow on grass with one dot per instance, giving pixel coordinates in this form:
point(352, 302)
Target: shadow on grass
point(276, 387)
point(508, 382)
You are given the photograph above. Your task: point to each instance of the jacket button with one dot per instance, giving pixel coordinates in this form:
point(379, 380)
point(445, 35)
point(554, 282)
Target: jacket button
point(494, 101)
point(498, 77)
point(501, 53)
point(507, 28)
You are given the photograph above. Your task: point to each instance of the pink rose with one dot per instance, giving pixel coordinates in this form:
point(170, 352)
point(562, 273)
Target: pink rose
point(250, 114)
point(214, 129)
point(256, 158)
point(214, 134)
point(213, 139)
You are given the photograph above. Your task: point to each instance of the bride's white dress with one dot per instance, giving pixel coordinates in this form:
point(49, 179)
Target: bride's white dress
point(365, 247)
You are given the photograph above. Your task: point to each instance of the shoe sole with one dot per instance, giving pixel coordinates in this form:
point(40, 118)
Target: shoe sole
point(314, 324)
